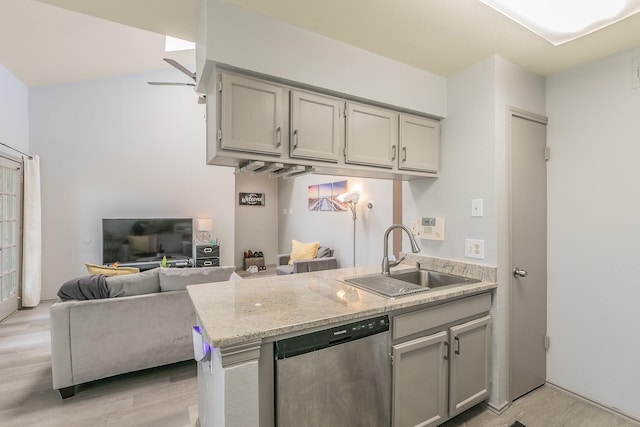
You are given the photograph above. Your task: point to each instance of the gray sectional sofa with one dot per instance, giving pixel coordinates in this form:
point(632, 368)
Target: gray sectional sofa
point(145, 322)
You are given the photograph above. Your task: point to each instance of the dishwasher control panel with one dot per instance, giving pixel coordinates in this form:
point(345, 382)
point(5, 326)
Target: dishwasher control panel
point(313, 341)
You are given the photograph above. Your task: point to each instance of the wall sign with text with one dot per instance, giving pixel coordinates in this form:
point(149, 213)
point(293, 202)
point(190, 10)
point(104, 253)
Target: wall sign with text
point(251, 199)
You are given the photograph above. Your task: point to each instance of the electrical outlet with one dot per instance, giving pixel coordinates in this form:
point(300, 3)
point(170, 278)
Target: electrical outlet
point(474, 248)
point(635, 73)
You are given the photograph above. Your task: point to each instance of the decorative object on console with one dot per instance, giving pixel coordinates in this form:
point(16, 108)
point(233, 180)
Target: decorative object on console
point(204, 227)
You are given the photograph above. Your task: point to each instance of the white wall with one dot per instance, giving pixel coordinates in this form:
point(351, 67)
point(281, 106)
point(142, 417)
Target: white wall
point(474, 165)
point(335, 229)
point(245, 39)
point(117, 147)
point(257, 226)
point(467, 168)
point(594, 209)
point(14, 114)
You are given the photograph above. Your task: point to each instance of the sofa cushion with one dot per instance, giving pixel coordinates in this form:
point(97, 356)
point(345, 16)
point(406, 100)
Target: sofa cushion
point(302, 251)
point(109, 270)
point(175, 279)
point(145, 282)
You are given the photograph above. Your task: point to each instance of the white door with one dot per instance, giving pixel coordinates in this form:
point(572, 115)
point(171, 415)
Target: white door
point(528, 287)
point(10, 226)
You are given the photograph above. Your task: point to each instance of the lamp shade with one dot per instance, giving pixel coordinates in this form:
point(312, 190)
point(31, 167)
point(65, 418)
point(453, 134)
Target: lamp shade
point(204, 224)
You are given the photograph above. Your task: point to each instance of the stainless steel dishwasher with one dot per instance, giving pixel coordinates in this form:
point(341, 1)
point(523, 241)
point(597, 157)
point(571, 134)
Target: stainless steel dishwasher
point(335, 377)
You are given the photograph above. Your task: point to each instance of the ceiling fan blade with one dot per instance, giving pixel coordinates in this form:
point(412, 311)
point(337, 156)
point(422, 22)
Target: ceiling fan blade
point(170, 84)
point(180, 67)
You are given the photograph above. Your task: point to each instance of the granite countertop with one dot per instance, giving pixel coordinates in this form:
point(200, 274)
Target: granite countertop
point(235, 312)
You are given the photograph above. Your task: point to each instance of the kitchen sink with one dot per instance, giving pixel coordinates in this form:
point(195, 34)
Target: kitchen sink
point(406, 282)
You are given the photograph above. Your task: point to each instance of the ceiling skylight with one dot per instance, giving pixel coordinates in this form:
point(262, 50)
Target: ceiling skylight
point(560, 21)
point(173, 44)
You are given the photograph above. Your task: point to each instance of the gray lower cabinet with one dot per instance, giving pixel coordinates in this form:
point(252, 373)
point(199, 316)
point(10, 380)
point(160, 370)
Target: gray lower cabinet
point(470, 364)
point(420, 371)
point(445, 372)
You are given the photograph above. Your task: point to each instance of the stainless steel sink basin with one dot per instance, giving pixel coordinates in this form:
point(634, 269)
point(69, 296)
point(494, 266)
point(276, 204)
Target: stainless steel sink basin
point(406, 282)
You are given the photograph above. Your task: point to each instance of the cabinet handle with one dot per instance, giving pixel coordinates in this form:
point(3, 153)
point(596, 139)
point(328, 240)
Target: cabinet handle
point(457, 345)
point(446, 350)
point(207, 250)
point(393, 152)
point(278, 136)
point(404, 154)
point(295, 138)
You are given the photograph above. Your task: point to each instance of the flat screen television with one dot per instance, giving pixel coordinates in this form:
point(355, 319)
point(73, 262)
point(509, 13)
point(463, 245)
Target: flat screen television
point(143, 240)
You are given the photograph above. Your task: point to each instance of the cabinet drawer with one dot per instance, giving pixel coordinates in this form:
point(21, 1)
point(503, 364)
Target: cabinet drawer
point(207, 251)
point(208, 262)
point(408, 324)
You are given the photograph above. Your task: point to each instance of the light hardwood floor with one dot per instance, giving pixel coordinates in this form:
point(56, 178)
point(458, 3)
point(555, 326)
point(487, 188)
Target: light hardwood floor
point(167, 396)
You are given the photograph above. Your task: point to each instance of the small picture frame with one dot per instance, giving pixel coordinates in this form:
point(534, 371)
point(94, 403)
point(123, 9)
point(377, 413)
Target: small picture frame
point(251, 199)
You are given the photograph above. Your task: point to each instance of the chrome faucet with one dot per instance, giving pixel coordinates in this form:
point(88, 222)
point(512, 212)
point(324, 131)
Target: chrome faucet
point(386, 264)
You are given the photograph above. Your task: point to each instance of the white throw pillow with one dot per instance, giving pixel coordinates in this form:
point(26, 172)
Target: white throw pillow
point(176, 279)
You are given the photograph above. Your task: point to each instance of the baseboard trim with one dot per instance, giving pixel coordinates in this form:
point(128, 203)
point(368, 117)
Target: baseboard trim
point(498, 410)
point(609, 409)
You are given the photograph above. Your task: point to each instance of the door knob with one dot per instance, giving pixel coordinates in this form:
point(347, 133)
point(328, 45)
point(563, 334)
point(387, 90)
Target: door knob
point(518, 272)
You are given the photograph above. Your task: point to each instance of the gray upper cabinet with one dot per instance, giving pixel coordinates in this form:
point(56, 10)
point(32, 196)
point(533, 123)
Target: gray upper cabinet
point(470, 364)
point(251, 115)
point(372, 136)
point(289, 128)
point(419, 144)
point(316, 126)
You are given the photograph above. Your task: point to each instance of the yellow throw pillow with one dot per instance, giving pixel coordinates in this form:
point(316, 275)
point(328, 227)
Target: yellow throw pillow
point(110, 271)
point(301, 251)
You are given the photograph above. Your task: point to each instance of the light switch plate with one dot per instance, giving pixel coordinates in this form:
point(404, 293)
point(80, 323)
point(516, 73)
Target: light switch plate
point(474, 248)
point(635, 73)
point(477, 208)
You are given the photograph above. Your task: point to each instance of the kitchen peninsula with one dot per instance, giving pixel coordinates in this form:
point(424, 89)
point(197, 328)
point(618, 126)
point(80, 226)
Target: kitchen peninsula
point(240, 321)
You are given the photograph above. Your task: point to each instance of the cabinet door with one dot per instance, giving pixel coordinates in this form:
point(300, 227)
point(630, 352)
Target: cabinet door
point(420, 381)
point(470, 364)
point(315, 126)
point(372, 136)
point(419, 144)
point(251, 115)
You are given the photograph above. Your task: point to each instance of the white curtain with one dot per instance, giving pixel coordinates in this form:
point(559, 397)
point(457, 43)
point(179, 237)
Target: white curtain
point(32, 234)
